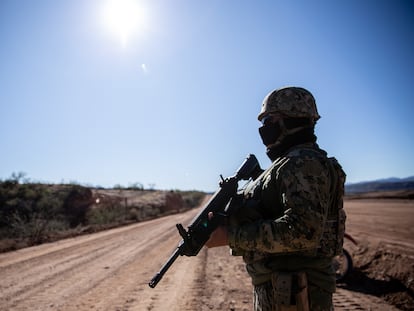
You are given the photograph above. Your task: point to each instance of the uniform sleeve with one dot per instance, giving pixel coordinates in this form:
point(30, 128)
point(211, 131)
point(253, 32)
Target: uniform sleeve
point(301, 186)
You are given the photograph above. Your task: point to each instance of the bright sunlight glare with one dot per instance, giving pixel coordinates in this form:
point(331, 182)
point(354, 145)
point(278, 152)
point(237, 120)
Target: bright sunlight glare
point(124, 18)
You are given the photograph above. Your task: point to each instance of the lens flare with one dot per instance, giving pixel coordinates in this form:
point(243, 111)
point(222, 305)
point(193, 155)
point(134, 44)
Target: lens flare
point(124, 19)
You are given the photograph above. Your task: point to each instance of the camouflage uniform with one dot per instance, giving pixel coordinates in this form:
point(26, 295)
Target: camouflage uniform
point(291, 220)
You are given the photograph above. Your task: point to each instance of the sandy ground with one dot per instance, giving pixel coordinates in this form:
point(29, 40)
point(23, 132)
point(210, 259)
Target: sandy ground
point(110, 270)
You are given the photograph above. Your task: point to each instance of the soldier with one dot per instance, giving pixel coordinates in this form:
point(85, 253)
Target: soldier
point(289, 223)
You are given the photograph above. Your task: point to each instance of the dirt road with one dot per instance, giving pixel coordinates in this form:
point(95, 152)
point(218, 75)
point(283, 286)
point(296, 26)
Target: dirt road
point(110, 270)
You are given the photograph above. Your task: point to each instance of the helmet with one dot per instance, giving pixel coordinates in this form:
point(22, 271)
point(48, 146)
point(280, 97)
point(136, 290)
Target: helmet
point(293, 102)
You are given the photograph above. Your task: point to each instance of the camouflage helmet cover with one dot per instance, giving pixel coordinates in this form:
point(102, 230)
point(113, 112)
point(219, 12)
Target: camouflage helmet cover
point(294, 102)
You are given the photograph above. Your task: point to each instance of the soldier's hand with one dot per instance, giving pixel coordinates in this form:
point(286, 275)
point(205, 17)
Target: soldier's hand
point(219, 237)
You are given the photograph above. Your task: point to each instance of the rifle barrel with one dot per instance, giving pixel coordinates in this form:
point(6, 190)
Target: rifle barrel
point(158, 276)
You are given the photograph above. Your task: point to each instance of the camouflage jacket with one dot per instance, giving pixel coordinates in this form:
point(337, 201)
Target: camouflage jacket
point(283, 221)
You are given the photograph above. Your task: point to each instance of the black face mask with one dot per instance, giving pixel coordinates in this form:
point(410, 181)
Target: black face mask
point(270, 132)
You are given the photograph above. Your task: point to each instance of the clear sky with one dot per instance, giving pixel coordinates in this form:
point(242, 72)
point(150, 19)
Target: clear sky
point(166, 92)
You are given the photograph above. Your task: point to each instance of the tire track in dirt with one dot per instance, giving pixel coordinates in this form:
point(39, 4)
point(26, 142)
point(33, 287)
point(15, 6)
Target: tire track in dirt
point(345, 300)
point(128, 288)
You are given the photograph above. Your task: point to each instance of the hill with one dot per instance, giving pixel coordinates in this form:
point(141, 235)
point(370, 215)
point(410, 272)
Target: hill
point(389, 184)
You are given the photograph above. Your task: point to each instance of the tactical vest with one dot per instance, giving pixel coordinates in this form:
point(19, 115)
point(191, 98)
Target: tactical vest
point(333, 233)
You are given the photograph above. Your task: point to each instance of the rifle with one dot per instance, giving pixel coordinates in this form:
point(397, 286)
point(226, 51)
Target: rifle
point(202, 226)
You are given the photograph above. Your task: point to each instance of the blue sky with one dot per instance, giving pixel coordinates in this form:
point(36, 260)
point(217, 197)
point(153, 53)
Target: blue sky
point(170, 98)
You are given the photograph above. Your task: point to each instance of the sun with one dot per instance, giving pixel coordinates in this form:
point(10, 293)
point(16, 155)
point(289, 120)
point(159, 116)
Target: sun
point(124, 18)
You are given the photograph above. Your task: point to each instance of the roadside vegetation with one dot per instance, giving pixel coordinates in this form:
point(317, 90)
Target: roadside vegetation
point(33, 213)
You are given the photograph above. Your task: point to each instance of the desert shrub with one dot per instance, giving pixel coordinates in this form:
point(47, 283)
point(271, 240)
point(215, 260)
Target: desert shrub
point(136, 186)
point(192, 198)
point(33, 229)
point(26, 210)
point(134, 214)
point(106, 215)
point(32, 212)
point(76, 204)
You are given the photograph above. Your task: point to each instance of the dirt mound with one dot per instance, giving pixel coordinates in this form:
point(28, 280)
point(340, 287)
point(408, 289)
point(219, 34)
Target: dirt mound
point(383, 272)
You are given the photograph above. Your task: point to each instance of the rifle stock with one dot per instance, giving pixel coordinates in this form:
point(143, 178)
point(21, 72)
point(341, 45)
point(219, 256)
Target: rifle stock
point(201, 226)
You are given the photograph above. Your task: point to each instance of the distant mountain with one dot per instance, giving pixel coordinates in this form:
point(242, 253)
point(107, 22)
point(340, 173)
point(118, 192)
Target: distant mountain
point(395, 179)
point(388, 184)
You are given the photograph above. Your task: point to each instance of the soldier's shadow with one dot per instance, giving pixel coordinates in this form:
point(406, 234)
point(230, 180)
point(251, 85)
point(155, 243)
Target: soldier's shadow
point(358, 281)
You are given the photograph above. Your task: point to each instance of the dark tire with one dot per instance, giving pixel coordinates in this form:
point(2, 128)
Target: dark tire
point(343, 265)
